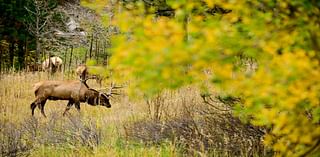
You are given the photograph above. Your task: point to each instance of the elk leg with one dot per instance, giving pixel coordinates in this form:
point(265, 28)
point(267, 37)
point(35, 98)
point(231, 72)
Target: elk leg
point(70, 103)
point(33, 106)
point(77, 104)
point(42, 107)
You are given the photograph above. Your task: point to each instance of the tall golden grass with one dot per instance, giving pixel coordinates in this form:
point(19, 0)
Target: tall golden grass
point(174, 123)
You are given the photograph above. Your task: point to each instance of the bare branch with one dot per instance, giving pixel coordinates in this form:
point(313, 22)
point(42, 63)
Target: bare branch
point(44, 24)
point(29, 10)
point(204, 98)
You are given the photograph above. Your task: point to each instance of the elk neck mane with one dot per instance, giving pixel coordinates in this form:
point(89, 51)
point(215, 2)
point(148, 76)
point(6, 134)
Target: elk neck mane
point(93, 97)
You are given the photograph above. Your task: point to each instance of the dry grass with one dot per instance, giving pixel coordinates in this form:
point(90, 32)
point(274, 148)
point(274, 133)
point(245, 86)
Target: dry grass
point(175, 123)
point(16, 95)
point(84, 129)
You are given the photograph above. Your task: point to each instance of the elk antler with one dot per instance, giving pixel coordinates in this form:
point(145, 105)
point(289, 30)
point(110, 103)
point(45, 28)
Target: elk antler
point(112, 88)
point(87, 78)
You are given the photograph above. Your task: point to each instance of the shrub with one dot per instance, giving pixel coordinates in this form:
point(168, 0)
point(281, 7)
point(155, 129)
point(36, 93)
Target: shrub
point(12, 140)
point(204, 129)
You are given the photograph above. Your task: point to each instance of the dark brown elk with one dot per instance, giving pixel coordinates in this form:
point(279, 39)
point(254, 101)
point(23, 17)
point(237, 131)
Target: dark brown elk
point(32, 67)
point(73, 91)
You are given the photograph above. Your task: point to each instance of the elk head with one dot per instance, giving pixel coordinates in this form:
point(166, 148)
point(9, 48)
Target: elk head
point(104, 100)
point(101, 98)
point(94, 97)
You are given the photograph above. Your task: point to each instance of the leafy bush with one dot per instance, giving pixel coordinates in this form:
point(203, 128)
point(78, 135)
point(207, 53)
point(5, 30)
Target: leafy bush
point(282, 36)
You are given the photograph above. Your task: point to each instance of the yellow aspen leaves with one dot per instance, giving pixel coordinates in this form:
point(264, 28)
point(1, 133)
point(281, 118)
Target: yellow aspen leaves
point(280, 87)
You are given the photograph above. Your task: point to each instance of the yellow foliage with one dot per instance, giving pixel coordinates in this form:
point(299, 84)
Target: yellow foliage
point(281, 93)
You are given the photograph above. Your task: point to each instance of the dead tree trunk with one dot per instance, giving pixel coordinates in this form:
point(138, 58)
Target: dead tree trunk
point(26, 52)
point(76, 58)
point(51, 68)
point(38, 50)
point(70, 60)
point(11, 54)
point(21, 54)
point(105, 55)
point(65, 60)
point(91, 43)
point(97, 50)
point(85, 56)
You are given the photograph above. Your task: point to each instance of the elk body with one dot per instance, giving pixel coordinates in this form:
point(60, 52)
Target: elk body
point(73, 91)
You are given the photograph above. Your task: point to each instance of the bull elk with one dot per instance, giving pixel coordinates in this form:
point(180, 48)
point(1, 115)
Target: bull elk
point(73, 91)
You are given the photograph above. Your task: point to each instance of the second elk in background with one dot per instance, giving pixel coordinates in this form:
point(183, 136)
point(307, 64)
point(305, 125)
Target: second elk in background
point(83, 72)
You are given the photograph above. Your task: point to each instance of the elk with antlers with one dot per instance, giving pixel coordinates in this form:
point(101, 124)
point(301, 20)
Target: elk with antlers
point(73, 91)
